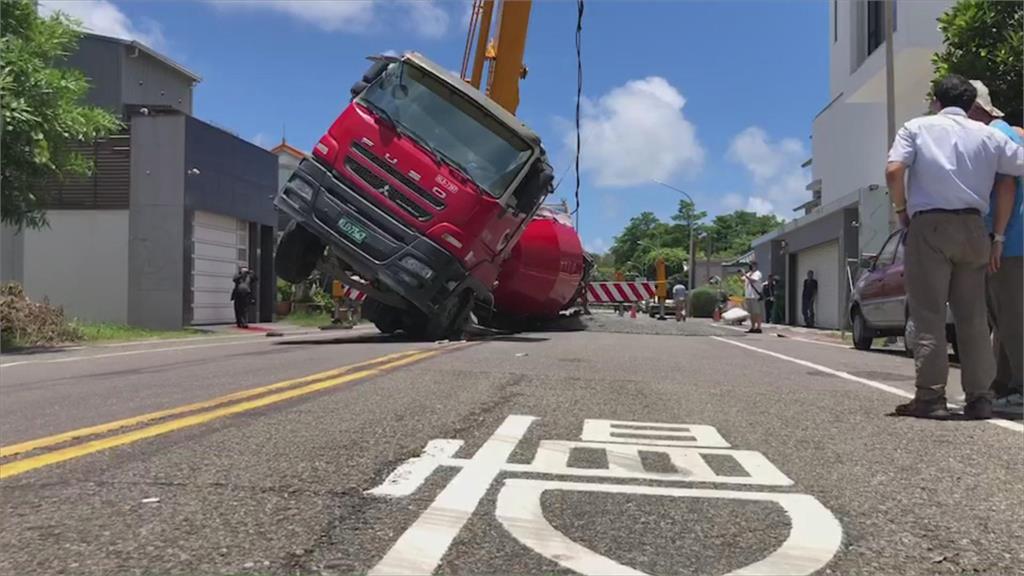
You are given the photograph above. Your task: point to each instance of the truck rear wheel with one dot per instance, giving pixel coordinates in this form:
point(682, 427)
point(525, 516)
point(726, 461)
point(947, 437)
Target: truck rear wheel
point(297, 254)
point(387, 319)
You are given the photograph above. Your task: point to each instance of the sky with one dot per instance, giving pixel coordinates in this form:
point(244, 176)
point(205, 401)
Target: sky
point(713, 97)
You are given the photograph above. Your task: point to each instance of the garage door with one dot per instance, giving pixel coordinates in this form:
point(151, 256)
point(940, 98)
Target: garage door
point(823, 259)
point(220, 244)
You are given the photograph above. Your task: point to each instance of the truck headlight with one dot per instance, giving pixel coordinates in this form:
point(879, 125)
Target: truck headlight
point(302, 188)
point(414, 265)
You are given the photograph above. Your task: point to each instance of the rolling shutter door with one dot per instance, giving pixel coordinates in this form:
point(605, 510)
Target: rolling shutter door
point(220, 244)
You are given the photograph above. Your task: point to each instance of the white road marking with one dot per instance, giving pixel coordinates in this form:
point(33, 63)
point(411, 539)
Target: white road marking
point(247, 340)
point(809, 340)
point(814, 536)
point(414, 472)
point(419, 550)
point(654, 433)
point(1015, 426)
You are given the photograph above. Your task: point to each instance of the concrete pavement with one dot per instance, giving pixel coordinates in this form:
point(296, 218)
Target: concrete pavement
point(282, 488)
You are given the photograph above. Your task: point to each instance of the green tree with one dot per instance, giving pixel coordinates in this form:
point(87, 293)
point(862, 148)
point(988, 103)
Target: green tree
point(731, 234)
point(641, 229)
point(685, 214)
point(42, 111)
point(675, 261)
point(984, 40)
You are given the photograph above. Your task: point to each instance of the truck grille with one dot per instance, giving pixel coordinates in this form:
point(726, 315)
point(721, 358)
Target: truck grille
point(405, 180)
point(386, 190)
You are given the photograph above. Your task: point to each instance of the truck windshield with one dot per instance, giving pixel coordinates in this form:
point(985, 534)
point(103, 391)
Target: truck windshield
point(454, 128)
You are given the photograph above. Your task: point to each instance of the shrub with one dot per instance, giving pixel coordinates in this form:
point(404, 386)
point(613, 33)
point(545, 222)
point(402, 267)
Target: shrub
point(702, 303)
point(27, 323)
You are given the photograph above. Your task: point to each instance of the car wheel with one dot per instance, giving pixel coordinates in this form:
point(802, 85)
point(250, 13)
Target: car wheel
point(297, 254)
point(862, 334)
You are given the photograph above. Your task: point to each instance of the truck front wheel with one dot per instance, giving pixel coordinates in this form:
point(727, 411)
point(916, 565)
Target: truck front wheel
point(297, 254)
point(448, 323)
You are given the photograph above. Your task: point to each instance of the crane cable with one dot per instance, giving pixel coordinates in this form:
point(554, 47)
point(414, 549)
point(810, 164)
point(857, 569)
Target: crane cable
point(579, 97)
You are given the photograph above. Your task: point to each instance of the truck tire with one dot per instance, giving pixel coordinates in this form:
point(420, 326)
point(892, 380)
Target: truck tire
point(386, 318)
point(297, 254)
point(448, 324)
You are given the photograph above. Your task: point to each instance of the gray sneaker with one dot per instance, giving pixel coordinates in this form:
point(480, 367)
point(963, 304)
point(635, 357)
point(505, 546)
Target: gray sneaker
point(1013, 401)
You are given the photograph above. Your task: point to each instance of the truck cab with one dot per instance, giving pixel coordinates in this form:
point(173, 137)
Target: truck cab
point(418, 191)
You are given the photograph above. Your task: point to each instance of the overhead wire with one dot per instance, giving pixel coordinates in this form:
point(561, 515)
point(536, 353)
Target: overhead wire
point(579, 98)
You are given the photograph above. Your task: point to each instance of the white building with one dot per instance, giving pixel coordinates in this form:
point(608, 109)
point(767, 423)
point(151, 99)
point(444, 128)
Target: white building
point(848, 212)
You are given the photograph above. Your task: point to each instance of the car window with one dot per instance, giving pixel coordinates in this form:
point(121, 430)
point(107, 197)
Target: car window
point(900, 246)
point(885, 257)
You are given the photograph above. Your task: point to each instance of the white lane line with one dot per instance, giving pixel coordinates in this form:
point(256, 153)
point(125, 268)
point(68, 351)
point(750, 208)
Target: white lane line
point(247, 340)
point(419, 550)
point(843, 346)
point(1015, 426)
point(815, 534)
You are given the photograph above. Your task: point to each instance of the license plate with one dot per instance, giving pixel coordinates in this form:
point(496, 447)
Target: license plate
point(352, 230)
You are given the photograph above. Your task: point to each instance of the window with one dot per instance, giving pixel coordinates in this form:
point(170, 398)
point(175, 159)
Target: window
point(835, 21)
point(885, 257)
point(876, 24)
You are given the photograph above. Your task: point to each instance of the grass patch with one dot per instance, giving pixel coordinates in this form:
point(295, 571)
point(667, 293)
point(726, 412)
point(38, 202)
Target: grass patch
point(307, 319)
point(105, 332)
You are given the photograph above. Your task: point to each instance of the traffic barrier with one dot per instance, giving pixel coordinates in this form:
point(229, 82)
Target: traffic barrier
point(340, 291)
point(620, 292)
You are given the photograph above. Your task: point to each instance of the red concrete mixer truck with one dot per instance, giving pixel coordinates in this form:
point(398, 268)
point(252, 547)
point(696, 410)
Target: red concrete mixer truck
point(427, 195)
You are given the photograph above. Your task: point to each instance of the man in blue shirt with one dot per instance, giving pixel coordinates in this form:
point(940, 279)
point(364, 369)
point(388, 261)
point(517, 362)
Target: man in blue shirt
point(1006, 271)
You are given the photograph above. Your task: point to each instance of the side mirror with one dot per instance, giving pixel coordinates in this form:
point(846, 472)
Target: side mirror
point(867, 261)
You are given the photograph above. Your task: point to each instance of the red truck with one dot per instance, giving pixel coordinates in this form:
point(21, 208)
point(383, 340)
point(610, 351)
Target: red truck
point(419, 191)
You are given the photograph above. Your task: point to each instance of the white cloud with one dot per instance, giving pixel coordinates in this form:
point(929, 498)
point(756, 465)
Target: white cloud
point(596, 246)
point(779, 183)
point(104, 17)
point(424, 17)
point(428, 19)
point(759, 205)
point(637, 132)
point(732, 201)
point(260, 139)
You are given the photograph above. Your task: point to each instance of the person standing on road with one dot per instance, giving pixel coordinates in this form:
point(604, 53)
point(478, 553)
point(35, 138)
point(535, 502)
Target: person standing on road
point(679, 299)
point(952, 162)
point(768, 291)
point(1006, 267)
point(241, 295)
point(808, 298)
point(753, 296)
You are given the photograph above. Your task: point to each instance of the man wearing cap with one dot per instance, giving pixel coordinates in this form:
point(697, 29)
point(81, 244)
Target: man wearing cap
point(1006, 272)
point(952, 162)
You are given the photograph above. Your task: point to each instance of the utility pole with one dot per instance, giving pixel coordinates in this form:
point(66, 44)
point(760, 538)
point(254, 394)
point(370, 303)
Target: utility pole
point(890, 89)
point(690, 223)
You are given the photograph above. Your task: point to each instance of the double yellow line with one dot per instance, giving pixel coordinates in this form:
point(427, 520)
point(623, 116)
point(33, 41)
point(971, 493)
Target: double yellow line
point(205, 412)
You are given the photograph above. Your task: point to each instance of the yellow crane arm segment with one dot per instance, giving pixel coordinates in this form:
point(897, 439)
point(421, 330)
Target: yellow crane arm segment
point(504, 53)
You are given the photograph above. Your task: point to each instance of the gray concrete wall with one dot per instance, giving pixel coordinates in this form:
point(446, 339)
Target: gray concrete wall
point(100, 61)
point(12, 249)
point(235, 177)
point(148, 81)
point(156, 246)
point(80, 262)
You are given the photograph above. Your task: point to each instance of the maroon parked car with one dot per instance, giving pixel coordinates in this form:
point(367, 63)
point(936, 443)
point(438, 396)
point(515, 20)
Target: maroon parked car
point(878, 306)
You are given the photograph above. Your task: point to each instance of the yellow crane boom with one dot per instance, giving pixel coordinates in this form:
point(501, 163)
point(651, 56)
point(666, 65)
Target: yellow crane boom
point(503, 53)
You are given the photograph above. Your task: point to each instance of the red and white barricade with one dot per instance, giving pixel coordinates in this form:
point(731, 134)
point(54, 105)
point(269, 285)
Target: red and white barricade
point(620, 292)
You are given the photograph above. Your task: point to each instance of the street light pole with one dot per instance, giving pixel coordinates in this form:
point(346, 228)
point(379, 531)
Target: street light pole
point(689, 222)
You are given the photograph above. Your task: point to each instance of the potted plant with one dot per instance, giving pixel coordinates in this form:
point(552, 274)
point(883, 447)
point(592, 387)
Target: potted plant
point(285, 291)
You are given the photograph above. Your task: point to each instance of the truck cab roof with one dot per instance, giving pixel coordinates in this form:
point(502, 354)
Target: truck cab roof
point(467, 89)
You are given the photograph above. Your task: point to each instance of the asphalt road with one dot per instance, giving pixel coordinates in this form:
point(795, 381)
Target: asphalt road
point(796, 464)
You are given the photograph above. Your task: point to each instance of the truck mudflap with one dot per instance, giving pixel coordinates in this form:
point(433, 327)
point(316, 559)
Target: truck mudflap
point(374, 244)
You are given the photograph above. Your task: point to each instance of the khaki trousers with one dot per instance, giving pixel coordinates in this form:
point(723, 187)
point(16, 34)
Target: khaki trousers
point(1006, 307)
point(946, 259)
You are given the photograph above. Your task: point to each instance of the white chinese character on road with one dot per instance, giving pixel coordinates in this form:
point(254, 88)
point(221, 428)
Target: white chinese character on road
point(814, 538)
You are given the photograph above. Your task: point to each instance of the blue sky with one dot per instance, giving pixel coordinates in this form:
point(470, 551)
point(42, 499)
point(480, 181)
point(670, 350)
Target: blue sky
point(713, 97)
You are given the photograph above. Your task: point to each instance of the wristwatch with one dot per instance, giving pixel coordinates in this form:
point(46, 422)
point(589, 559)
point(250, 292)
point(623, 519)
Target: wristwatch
point(999, 238)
